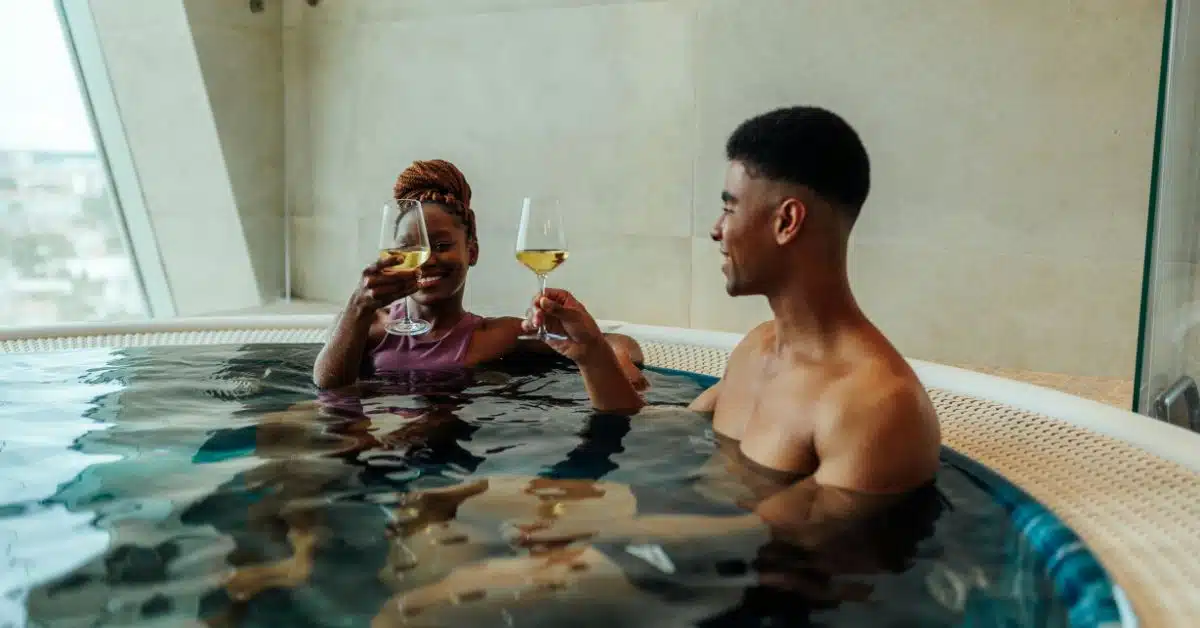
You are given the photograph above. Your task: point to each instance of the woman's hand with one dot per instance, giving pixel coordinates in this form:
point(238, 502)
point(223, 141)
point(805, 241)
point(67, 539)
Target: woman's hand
point(381, 285)
point(609, 387)
point(563, 315)
point(631, 370)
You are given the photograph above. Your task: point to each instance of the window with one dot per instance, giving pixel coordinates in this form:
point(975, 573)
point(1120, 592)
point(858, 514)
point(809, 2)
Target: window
point(64, 256)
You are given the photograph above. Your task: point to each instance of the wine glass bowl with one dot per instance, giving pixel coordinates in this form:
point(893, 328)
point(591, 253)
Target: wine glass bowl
point(404, 237)
point(541, 246)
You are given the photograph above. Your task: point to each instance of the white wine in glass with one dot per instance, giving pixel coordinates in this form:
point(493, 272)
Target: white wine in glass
point(404, 238)
point(541, 246)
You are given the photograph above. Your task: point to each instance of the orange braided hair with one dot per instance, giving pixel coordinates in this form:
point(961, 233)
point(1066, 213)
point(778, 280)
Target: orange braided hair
point(439, 181)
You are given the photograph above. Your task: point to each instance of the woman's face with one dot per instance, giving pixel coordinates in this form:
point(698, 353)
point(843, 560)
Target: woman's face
point(445, 274)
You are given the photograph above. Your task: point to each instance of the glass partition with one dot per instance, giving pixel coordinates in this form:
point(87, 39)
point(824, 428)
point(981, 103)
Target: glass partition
point(1169, 347)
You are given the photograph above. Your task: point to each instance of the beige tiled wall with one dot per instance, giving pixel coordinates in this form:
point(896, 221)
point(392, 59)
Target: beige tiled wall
point(1011, 144)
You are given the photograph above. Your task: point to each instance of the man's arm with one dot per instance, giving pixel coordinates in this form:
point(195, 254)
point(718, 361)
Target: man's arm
point(707, 401)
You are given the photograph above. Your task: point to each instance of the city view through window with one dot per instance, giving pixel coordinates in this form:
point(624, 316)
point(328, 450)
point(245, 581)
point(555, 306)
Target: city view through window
point(63, 257)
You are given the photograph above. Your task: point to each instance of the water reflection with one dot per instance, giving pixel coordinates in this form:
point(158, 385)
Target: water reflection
point(493, 497)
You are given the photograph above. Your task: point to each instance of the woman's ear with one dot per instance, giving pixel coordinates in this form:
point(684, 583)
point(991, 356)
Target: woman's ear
point(472, 252)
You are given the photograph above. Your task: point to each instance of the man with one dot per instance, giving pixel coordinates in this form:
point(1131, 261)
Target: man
point(818, 392)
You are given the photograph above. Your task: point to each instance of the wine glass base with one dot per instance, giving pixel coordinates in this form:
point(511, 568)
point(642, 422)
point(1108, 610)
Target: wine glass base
point(407, 328)
point(543, 336)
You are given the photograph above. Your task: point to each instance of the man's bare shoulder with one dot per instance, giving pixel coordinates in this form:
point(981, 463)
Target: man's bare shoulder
point(882, 389)
point(878, 428)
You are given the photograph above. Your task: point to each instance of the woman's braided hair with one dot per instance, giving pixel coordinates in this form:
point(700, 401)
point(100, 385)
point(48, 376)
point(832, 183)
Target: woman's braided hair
point(439, 181)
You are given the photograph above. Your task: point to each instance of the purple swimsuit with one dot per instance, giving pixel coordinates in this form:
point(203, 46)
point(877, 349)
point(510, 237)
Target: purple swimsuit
point(407, 353)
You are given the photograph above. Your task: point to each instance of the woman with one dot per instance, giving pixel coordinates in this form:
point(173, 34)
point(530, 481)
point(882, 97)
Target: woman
point(359, 345)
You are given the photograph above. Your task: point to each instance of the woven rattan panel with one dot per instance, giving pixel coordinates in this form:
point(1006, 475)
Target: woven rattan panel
point(211, 337)
point(686, 358)
point(1138, 513)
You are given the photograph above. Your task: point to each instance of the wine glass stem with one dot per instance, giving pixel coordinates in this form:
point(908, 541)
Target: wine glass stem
point(541, 293)
point(407, 320)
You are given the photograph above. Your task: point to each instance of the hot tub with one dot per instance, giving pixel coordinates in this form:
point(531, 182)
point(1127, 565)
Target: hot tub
point(1105, 501)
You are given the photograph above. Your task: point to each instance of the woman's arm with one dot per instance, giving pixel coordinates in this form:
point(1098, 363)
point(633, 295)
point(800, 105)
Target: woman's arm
point(628, 352)
point(361, 323)
point(625, 346)
point(499, 338)
point(580, 339)
point(340, 360)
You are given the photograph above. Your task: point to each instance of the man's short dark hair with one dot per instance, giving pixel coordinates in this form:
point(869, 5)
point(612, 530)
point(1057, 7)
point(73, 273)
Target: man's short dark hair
point(806, 146)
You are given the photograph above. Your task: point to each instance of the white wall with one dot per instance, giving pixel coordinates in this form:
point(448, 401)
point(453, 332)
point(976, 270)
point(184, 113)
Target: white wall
point(1011, 142)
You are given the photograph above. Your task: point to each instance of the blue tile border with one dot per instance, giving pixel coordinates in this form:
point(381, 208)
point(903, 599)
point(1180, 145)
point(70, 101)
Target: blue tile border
point(1079, 579)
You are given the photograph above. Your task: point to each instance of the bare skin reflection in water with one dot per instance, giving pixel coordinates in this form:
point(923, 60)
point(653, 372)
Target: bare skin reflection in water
point(442, 542)
point(307, 446)
point(825, 533)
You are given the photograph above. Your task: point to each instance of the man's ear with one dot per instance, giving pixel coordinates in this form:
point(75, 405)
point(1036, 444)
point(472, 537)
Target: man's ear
point(789, 218)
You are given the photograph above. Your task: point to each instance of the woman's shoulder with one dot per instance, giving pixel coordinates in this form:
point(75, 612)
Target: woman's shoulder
point(498, 323)
point(494, 337)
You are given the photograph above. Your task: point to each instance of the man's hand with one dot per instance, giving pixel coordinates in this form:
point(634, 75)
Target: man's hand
point(564, 315)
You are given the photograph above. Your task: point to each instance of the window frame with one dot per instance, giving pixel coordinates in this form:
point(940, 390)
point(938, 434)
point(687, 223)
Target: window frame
point(112, 147)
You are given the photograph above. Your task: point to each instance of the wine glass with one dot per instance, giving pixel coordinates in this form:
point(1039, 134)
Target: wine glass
point(541, 246)
point(404, 238)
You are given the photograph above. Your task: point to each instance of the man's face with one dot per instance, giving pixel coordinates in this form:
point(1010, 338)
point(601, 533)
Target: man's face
point(744, 232)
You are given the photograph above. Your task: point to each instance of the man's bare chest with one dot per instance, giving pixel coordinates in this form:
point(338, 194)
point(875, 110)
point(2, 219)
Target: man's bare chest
point(773, 420)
